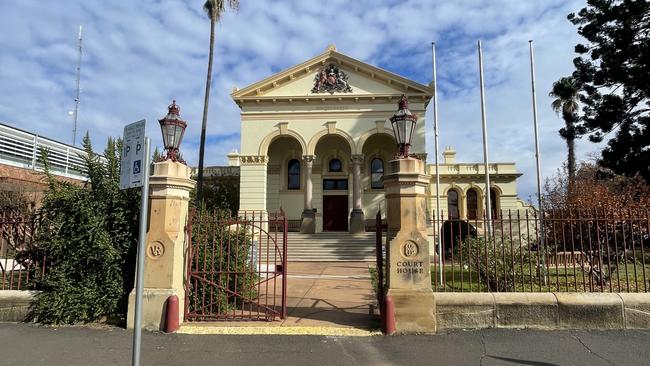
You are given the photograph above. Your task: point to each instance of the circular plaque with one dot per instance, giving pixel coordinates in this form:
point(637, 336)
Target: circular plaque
point(155, 250)
point(410, 249)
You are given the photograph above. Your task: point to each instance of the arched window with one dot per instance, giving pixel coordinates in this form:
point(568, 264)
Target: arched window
point(493, 202)
point(293, 174)
point(452, 204)
point(335, 165)
point(376, 173)
point(472, 204)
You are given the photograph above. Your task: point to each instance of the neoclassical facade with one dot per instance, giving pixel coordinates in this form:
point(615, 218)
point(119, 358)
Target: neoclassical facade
point(315, 140)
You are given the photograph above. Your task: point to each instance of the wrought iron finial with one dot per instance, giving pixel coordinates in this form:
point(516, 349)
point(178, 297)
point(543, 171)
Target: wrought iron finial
point(403, 102)
point(174, 108)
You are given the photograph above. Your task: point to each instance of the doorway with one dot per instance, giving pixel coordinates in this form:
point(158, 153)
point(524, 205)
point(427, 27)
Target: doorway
point(335, 213)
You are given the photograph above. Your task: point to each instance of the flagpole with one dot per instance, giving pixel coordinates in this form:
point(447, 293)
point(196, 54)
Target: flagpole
point(438, 215)
point(537, 156)
point(488, 203)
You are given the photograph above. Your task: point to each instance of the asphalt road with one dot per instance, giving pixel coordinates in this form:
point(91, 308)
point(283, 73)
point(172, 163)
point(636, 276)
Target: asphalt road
point(25, 344)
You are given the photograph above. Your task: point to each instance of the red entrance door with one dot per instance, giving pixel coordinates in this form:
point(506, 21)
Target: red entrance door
point(335, 213)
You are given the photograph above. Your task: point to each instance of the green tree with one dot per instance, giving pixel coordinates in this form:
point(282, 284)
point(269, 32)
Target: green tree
point(222, 194)
point(566, 92)
point(89, 236)
point(612, 69)
point(214, 9)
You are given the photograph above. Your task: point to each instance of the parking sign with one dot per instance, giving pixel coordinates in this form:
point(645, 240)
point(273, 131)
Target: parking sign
point(131, 170)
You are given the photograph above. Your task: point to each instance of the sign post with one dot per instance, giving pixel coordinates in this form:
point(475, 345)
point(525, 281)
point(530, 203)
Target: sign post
point(134, 172)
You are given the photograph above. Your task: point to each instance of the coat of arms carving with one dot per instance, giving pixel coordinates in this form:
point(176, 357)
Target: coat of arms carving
point(331, 79)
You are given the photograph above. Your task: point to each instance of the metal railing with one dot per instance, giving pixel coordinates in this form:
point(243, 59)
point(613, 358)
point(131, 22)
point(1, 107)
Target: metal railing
point(22, 149)
point(236, 267)
point(572, 250)
point(20, 260)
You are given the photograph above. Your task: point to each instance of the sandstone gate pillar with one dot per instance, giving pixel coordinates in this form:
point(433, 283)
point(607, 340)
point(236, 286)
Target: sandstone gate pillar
point(409, 267)
point(165, 247)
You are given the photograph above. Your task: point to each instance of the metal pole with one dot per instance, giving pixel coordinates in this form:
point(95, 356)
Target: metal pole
point(488, 203)
point(436, 227)
point(139, 279)
point(537, 157)
point(77, 96)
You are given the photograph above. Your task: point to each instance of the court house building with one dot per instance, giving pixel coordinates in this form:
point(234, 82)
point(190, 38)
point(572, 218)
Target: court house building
point(316, 139)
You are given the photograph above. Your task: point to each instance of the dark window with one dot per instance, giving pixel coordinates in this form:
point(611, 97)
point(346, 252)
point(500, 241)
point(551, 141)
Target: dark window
point(493, 202)
point(293, 174)
point(335, 165)
point(472, 204)
point(452, 204)
point(376, 173)
point(335, 184)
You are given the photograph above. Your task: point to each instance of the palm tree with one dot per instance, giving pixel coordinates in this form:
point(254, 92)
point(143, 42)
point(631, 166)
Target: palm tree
point(214, 9)
point(566, 92)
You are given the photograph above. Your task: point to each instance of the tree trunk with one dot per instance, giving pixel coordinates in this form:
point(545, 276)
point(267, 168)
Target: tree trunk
point(570, 136)
point(571, 153)
point(571, 158)
point(204, 122)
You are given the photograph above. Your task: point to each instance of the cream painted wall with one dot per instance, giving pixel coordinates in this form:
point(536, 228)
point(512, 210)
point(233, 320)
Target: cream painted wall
point(259, 131)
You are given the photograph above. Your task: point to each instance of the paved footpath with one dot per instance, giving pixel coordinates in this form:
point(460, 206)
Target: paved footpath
point(26, 344)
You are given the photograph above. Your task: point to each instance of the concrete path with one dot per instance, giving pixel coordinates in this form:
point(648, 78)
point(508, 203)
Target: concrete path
point(319, 295)
point(330, 294)
point(24, 344)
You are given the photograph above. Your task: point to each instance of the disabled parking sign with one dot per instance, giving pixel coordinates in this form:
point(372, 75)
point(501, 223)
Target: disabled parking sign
point(132, 155)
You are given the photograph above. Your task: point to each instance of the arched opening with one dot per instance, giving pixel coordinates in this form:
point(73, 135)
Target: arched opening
point(376, 148)
point(472, 204)
point(284, 178)
point(453, 212)
point(332, 188)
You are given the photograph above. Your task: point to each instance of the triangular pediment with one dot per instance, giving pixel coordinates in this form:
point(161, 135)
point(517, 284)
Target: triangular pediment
point(332, 75)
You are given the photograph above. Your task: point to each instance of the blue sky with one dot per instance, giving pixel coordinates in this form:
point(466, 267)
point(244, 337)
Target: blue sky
point(139, 55)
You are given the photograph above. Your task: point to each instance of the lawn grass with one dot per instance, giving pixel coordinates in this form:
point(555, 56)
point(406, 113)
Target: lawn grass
point(630, 278)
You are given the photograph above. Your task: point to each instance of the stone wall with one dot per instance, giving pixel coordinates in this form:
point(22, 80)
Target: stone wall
point(543, 310)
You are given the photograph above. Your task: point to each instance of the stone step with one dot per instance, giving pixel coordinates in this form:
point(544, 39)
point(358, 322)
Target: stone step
point(331, 246)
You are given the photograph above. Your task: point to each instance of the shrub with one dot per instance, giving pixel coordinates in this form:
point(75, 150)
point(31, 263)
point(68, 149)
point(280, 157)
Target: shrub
point(89, 235)
point(497, 261)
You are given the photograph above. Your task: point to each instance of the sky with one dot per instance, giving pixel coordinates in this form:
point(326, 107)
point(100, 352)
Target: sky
point(139, 55)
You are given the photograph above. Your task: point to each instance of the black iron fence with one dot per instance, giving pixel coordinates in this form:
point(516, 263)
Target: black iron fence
point(570, 250)
point(21, 262)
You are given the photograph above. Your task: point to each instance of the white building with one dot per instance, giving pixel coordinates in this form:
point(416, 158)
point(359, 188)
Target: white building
point(315, 139)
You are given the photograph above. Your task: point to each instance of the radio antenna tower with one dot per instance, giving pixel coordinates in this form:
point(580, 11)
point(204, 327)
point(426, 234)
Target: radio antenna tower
point(75, 113)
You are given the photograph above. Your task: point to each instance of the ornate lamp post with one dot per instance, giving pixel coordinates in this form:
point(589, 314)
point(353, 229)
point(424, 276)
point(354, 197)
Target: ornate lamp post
point(403, 122)
point(173, 129)
point(166, 243)
point(408, 260)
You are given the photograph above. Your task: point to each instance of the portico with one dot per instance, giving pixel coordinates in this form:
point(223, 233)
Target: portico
point(316, 139)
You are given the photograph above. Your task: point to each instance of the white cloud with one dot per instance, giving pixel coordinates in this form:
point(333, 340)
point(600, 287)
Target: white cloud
point(141, 54)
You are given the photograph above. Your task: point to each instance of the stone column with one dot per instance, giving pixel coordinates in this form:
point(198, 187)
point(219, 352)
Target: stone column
point(409, 267)
point(308, 219)
point(357, 218)
point(164, 267)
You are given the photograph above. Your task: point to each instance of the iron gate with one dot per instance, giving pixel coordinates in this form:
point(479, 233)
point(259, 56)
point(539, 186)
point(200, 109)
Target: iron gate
point(236, 267)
